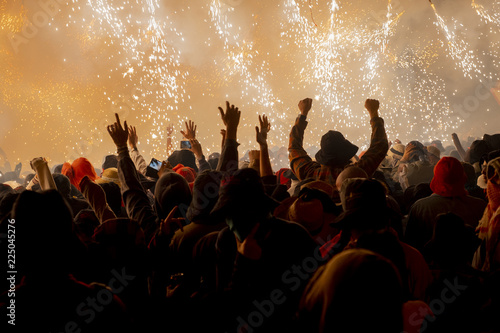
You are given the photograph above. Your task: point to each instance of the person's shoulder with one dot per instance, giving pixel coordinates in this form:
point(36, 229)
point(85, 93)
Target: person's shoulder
point(475, 201)
point(427, 200)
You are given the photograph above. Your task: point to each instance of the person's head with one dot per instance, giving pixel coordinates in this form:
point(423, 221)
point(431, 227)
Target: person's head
point(311, 208)
point(455, 154)
point(395, 154)
point(185, 172)
point(213, 160)
point(356, 291)
point(365, 206)
point(350, 172)
point(205, 195)
point(184, 157)
point(414, 152)
point(477, 149)
point(80, 168)
point(44, 229)
point(434, 154)
point(113, 196)
point(242, 202)
point(57, 168)
point(336, 151)
point(109, 175)
point(439, 145)
point(471, 175)
point(449, 178)
point(171, 190)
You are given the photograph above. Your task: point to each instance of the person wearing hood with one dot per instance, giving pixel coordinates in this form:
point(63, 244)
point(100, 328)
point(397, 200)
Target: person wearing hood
point(80, 168)
point(449, 195)
point(336, 151)
point(414, 168)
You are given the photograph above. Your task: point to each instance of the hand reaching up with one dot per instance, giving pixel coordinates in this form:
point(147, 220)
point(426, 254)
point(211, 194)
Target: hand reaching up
point(190, 130)
point(196, 148)
point(170, 130)
point(231, 119)
point(133, 139)
point(265, 127)
point(372, 106)
point(305, 106)
point(118, 133)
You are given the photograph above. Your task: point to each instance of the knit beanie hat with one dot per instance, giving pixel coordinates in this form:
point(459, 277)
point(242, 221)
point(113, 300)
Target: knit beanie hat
point(449, 178)
point(185, 172)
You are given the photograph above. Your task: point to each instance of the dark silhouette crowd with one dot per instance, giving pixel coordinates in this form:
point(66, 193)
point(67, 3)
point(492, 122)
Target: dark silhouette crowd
point(397, 238)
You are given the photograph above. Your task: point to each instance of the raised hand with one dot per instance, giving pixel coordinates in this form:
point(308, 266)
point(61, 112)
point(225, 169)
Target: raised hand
point(133, 139)
point(265, 127)
point(165, 165)
point(231, 116)
point(305, 106)
point(196, 148)
point(36, 162)
point(170, 129)
point(190, 130)
point(372, 106)
point(254, 155)
point(231, 119)
point(118, 133)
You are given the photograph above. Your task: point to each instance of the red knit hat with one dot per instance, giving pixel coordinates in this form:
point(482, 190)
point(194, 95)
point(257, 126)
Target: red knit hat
point(449, 178)
point(185, 172)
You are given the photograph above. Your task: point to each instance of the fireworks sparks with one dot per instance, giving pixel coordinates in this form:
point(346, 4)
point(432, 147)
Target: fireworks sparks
point(158, 63)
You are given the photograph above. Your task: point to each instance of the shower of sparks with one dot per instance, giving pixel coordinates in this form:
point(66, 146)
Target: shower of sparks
point(459, 49)
point(158, 63)
point(483, 13)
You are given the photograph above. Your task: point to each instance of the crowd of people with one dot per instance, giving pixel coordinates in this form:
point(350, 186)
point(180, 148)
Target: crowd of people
point(397, 238)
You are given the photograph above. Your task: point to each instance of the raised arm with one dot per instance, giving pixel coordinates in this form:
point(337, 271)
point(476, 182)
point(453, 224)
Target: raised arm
point(190, 134)
point(96, 197)
point(379, 144)
point(261, 136)
point(133, 194)
point(458, 145)
point(137, 158)
point(229, 155)
point(301, 164)
point(170, 130)
point(39, 165)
